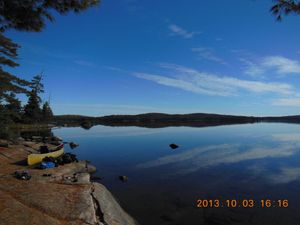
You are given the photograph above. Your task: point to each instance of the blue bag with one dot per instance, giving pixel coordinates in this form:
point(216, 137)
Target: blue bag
point(47, 165)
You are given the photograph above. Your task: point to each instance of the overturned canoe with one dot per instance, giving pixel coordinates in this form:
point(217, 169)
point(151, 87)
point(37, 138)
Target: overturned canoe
point(37, 158)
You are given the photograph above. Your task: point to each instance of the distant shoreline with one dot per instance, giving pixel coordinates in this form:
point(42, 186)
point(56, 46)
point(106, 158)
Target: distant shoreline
point(158, 120)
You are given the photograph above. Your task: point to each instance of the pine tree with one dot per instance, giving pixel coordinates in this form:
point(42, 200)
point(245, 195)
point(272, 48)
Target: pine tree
point(31, 15)
point(14, 107)
point(285, 7)
point(4, 117)
point(32, 110)
point(37, 86)
point(9, 83)
point(47, 112)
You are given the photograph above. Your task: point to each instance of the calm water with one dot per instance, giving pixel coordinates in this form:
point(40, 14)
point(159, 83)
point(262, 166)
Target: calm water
point(252, 161)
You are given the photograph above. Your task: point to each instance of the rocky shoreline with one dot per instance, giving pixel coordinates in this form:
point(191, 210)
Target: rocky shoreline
point(65, 195)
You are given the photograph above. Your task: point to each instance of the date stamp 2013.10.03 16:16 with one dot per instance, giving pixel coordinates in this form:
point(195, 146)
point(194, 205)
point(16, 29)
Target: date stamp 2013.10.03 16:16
point(244, 203)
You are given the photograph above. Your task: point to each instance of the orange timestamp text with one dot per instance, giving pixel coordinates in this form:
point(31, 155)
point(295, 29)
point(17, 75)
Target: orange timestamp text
point(244, 203)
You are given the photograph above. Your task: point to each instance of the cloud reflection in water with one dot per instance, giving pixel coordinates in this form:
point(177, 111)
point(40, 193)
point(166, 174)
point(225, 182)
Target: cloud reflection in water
point(213, 155)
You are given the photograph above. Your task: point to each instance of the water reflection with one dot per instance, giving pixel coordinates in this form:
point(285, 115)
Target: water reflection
point(289, 137)
point(286, 175)
point(24, 132)
point(197, 158)
point(258, 161)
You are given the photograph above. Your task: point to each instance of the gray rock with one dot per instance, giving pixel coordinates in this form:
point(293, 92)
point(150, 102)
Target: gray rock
point(173, 146)
point(111, 213)
point(123, 178)
point(73, 145)
point(82, 178)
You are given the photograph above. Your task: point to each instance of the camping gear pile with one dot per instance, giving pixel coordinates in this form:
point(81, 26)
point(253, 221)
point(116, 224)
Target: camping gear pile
point(50, 162)
point(22, 175)
point(48, 158)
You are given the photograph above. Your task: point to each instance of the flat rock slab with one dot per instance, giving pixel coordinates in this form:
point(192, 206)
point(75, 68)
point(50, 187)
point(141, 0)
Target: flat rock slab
point(54, 199)
point(57, 201)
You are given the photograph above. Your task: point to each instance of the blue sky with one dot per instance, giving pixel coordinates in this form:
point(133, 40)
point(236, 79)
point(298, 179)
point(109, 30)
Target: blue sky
point(137, 56)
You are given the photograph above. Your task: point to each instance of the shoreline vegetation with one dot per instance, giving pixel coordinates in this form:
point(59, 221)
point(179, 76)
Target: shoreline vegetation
point(159, 120)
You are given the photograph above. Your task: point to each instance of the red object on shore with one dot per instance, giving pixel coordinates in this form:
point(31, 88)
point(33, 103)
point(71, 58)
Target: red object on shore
point(59, 147)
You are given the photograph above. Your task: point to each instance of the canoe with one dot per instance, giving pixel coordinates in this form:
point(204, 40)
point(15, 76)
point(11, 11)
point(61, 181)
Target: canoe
point(37, 158)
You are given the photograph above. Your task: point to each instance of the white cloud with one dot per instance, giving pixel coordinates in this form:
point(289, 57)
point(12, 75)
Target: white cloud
point(210, 84)
point(281, 65)
point(208, 54)
point(179, 31)
point(178, 83)
point(287, 102)
point(251, 68)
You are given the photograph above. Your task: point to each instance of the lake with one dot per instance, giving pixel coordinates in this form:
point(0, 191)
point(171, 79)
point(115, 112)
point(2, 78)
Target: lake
point(255, 164)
